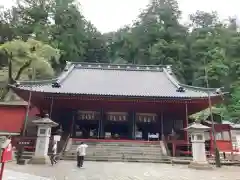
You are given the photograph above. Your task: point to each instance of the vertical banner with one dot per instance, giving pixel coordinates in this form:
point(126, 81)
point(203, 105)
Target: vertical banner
point(7, 154)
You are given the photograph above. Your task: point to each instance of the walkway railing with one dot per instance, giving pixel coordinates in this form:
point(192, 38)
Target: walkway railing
point(62, 150)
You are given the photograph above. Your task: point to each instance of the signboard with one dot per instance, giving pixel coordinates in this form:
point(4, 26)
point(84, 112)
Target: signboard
point(56, 138)
point(7, 154)
point(117, 116)
point(27, 143)
point(146, 117)
point(87, 115)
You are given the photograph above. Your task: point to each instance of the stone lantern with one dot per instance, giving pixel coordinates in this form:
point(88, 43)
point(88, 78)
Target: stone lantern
point(197, 133)
point(43, 136)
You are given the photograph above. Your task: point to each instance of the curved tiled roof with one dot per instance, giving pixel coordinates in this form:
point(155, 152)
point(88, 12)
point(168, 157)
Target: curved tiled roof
point(117, 80)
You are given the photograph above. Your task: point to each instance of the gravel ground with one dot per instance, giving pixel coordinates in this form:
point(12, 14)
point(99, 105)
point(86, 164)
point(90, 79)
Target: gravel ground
point(67, 170)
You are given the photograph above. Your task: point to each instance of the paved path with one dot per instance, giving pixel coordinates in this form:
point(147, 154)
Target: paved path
point(13, 175)
point(125, 171)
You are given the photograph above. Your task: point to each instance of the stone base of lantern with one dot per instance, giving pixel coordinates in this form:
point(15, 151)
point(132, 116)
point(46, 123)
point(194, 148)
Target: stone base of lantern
point(200, 165)
point(39, 160)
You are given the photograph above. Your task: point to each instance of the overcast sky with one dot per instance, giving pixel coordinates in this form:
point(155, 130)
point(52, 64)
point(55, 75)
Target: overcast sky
point(109, 15)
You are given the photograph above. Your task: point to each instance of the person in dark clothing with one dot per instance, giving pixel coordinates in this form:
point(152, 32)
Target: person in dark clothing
point(54, 153)
point(80, 160)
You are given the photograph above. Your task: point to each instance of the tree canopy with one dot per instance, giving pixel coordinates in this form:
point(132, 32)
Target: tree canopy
point(157, 36)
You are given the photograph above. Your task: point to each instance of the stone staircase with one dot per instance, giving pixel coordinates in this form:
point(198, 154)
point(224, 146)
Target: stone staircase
point(128, 151)
point(27, 155)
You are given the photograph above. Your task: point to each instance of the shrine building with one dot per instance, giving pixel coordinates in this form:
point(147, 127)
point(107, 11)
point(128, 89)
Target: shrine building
point(92, 100)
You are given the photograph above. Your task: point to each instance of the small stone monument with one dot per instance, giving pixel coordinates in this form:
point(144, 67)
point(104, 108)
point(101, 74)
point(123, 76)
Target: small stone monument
point(43, 135)
point(199, 161)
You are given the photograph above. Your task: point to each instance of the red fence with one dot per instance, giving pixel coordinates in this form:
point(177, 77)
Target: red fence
point(223, 146)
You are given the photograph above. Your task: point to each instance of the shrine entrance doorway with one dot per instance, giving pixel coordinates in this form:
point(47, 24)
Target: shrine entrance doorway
point(87, 124)
point(116, 125)
point(147, 126)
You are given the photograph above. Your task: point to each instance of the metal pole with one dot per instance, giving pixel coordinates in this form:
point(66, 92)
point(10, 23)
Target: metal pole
point(2, 169)
point(217, 155)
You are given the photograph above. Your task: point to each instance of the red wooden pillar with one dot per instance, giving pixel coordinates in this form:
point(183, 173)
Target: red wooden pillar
point(2, 169)
point(186, 121)
point(211, 142)
point(73, 126)
point(173, 147)
point(230, 138)
point(162, 134)
point(51, 108)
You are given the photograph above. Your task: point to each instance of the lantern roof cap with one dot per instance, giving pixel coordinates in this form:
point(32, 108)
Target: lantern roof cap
point(197, 127)
point(45, 121)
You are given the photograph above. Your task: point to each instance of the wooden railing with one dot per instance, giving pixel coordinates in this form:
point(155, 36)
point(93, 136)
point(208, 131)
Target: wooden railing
point(64, 145)
point(168, 153)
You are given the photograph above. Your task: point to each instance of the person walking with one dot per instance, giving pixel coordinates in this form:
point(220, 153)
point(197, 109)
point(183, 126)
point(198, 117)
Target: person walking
point(81, 152)
point(54, 153)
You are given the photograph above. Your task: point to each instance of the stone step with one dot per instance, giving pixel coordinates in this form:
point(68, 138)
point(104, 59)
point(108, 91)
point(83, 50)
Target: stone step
point(119, 151)
point(119, 155)
point(120, 159)
point(28, 155)
point(112, 153)
point(120, 148)
point(117, 159)
point(116, 144)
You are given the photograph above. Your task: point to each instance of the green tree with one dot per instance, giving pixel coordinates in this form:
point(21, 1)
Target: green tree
point(28, 55)
point(68, 31)
point(156, 37)
point(26, 58)
point(33, 19)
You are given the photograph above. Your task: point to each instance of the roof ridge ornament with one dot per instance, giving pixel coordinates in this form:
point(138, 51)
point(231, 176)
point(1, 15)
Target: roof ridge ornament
point(219, 91)
point(68, 69)
point(17, 84)
point(169, 73)
point(68, 65)
point(169, 69)
point(180, 89)
point(56, 84)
